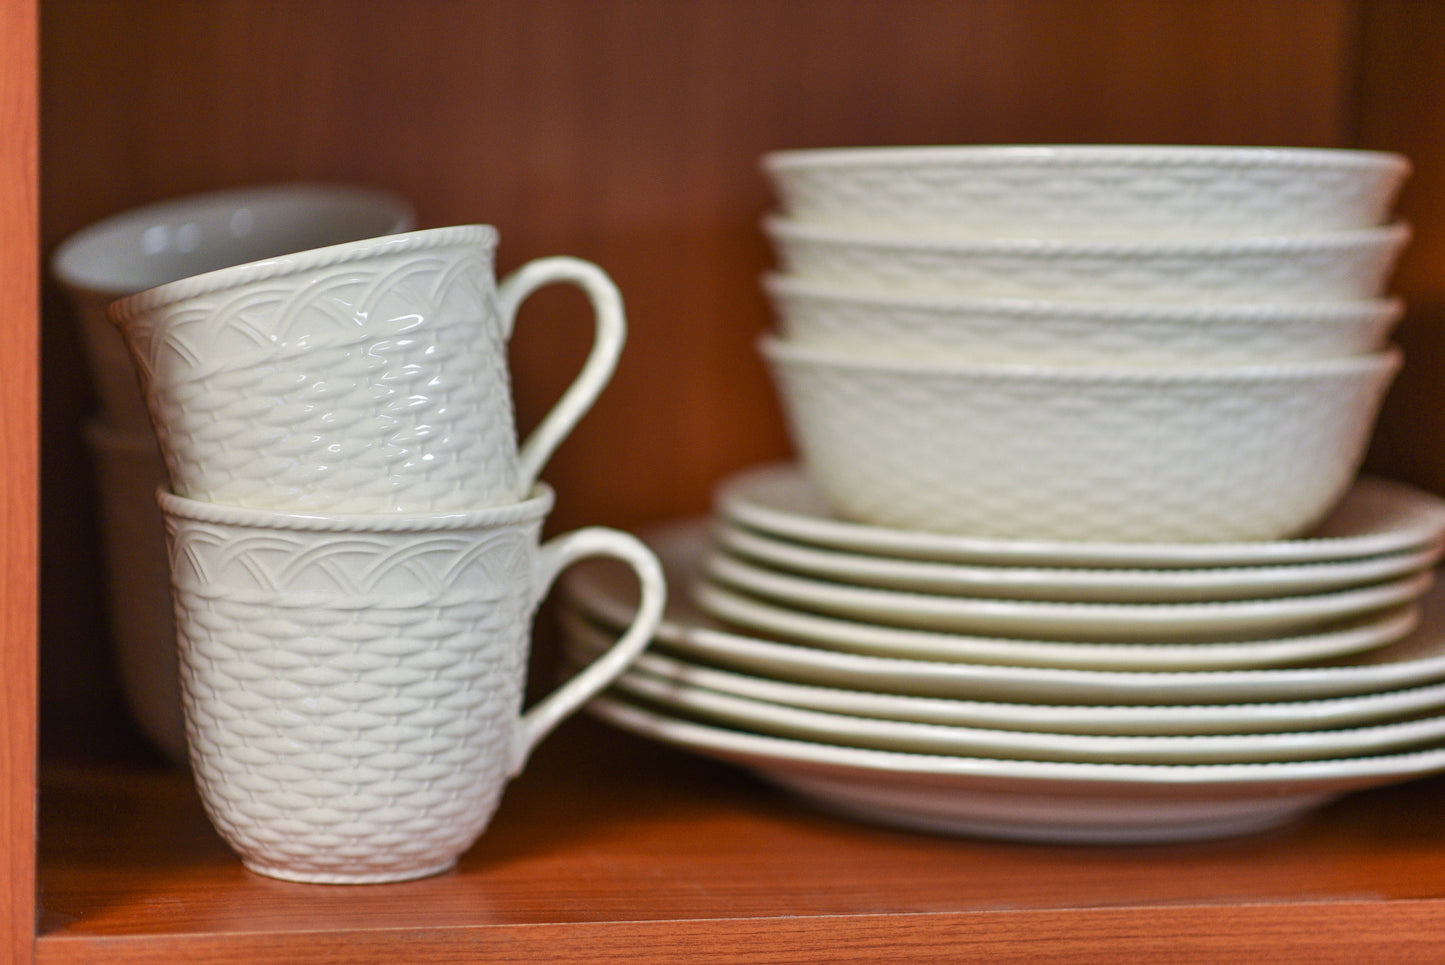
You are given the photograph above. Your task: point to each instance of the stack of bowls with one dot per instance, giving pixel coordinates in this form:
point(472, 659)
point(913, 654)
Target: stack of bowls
point(1077, 547)
point(1084, 342)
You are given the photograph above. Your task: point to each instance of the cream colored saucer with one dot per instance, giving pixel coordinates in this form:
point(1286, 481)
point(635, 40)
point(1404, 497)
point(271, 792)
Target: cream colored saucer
point(851, 636)
point(585, 639)
point(1069, 584)
point(607, 594)
point(847, 730)
point(1374, 518)
point(1031, 800)
point(1197, 623)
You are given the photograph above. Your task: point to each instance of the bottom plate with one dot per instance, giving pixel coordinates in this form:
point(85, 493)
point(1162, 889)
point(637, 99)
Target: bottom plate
point(1032, 800)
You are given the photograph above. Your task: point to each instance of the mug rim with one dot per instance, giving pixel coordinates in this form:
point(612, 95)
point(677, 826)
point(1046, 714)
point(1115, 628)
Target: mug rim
point(141, 303)
point(534, 507)
point(72, 261)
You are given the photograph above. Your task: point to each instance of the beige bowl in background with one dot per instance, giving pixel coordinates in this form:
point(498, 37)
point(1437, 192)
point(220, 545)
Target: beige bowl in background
point(1087, 191)
point(1141, 454)
point(906, 325)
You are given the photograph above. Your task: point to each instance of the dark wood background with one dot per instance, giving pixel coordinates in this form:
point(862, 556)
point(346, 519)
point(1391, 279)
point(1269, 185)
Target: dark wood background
point(629, 132)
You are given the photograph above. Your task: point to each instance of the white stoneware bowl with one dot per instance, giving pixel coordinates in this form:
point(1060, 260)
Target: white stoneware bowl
point(906, 325)
point(1088, 191)
point(163, 242)
point(1349, 264)
point(1129, 454)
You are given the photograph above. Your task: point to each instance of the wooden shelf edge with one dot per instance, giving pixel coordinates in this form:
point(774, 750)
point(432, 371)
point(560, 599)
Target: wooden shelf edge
point(1322, 932)
point(19, 470)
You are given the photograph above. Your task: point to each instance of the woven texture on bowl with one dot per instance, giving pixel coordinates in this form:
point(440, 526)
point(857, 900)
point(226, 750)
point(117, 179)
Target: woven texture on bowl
point(370, 385)
point(1088, 191)
point(1126, 455)
point(1043, 332)
point(1306, 268)
point(350, 696)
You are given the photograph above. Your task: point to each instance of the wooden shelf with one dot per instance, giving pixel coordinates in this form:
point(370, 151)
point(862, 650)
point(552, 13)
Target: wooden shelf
point(628, 133)
point(613, 849)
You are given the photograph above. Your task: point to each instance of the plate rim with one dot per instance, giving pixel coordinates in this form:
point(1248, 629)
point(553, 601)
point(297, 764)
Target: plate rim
point(735, 498)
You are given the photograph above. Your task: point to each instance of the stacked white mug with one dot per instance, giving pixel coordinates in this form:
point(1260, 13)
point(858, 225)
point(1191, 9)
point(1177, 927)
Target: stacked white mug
point(354, 537)
point(128, 252)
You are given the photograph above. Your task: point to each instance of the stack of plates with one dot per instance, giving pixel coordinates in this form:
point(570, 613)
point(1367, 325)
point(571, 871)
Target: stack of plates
point(1077, 547)
point(1033, 689)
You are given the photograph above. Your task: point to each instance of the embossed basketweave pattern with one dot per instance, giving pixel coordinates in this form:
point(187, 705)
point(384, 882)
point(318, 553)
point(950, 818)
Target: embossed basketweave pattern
point(1018, 330)
point(1325, 268)
point(376, 384)
point(1082, 455)
point(1119, 192)
point(351, 696)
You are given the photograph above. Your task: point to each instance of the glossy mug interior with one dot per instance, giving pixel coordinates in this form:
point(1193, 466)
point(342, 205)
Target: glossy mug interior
point(154, 244)
point(353, 684)
point(370, 377)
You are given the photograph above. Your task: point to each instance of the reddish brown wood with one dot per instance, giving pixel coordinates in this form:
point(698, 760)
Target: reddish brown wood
point(628, 132)
point(1399, 73)
point(609, 848)
point(1344, 933)
point(19, 482)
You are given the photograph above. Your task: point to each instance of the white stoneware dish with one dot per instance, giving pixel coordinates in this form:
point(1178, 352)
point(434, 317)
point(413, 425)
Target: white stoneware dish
point(1047, 801)
point(1121, 454)
point(770, 621)
point(1064, 584)
point(1342, 265)
point(905, 325)
point(848, 730)
point(1088, 191)
point(585, 638)
point(1206, 623)
point(606, 595)
point(1376, 517)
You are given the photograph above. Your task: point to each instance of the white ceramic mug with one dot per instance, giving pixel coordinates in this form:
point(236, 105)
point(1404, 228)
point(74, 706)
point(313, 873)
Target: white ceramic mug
point(353, 684)
point(131, 251)
point(151, 245)
point(138, 593)
point(370, 377)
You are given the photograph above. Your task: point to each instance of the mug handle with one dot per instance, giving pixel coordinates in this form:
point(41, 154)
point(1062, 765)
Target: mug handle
point(611, 332)
point(555, 556)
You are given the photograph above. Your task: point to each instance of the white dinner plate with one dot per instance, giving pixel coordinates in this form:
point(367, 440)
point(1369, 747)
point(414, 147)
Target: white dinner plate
point(1214, 621)
point(607, 592)
point(851, 636)
point(585, 640)
point(1375, 517)
point(1031, 800)
point(847, 730)
point(1070, 584)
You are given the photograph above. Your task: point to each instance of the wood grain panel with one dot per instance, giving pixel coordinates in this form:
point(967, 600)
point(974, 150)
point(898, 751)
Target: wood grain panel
point(1401, 76)
point(1344, 933)
point(609, 848)
point(19, 477)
